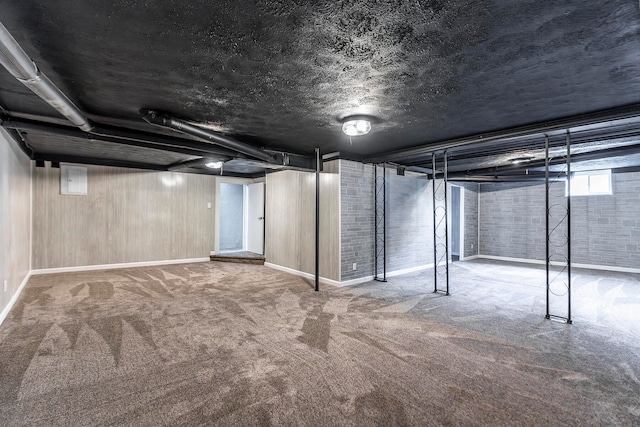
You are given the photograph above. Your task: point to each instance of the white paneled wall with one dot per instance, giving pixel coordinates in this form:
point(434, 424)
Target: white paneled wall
point(127, 216)
point(15, 219)
point(290, 222)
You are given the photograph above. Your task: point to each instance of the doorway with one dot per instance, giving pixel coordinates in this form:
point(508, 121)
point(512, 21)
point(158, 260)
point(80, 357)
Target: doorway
point(457, 223)
point(240, 218)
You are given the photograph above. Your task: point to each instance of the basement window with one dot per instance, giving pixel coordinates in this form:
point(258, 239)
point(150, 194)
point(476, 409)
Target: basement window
point(591, 183)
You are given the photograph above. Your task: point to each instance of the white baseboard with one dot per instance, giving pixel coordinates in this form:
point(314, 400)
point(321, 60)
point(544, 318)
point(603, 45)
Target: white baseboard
point(511, 259)
point(409, 270)
point(575, 265)
point(5, 312)
point(114, 266)
point(467, 258)
point(302, 274)
point(351, 282)
point(357, 281)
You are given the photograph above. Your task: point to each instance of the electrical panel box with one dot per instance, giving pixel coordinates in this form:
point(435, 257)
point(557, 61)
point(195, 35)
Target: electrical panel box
point(73, 180)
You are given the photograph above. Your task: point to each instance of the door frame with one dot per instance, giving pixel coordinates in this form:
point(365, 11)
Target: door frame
point(246, 220)
point(449, 210)
point(216, 211)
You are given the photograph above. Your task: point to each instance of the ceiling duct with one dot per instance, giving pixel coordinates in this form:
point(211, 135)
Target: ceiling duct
point(183, 126)
point(18, 63)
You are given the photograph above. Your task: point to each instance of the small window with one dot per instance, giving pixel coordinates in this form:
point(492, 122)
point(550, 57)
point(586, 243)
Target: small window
point(591, 183)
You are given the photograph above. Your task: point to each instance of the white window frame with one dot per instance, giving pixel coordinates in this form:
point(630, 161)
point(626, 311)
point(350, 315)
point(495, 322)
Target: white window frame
point(588, 191)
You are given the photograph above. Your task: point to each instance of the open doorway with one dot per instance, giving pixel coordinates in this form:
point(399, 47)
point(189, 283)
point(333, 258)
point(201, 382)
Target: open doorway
point(456, 218)
point(240, 218)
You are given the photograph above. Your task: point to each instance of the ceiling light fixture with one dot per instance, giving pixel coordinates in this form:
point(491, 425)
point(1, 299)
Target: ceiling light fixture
point(356, 125)
point(518, 160)
point(213, 165)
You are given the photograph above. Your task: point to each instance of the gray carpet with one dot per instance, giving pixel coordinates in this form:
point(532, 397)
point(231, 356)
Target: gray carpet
point(235, 344)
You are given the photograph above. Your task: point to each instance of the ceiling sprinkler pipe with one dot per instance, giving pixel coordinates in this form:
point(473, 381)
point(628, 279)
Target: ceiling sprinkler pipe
point(183, 126)
point(18, 63)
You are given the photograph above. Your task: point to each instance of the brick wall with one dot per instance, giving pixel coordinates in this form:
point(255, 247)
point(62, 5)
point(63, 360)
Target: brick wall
point(604, 229)
point(470, 218)
point(357, 219)
point(410, 221)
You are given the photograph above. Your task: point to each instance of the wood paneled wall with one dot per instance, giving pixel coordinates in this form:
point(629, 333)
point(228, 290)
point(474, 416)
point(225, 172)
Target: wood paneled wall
point(290, 222)
point(127, 216)
point(15, 217)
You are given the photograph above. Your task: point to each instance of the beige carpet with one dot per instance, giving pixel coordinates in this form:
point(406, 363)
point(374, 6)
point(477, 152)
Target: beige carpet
point(234, 344)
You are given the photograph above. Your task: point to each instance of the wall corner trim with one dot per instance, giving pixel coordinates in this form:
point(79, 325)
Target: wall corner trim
point(114, 266)
point(5, 312)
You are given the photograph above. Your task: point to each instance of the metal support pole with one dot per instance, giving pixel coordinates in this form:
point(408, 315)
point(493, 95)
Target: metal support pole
point(555, 228)
point(440, 240)
point(546, 192)
point(384, 228)
point(380, 218)
point(435, 237)
point(375, 222)
point(317, 287)
point(569, 321)
point(446, 225)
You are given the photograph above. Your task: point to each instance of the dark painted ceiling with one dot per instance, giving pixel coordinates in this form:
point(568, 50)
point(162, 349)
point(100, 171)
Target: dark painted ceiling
point(282, 74)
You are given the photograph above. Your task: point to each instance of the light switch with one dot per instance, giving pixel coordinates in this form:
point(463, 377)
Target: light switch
point(208, 205)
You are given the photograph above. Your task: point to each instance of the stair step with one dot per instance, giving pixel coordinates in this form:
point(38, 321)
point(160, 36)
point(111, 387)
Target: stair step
point(238, 259)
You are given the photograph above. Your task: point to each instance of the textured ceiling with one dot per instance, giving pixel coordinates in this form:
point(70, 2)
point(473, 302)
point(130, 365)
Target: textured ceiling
point(281, 74)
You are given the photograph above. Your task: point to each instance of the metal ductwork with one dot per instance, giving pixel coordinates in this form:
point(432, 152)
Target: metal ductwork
point(18, 63)
point(183, 126)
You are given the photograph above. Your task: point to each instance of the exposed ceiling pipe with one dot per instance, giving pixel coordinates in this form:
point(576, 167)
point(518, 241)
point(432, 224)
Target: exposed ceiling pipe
point(624, 114)
point(538, 163)
point(183, 126)
point(18, 63)
point(506, 178)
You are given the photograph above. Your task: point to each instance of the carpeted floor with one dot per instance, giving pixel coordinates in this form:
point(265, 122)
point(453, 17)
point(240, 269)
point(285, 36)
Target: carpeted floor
point(235, 344)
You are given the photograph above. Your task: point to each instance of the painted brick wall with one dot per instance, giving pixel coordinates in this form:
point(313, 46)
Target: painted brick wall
point(410, 221)
point(470, 218)
point(512, 220)
point(604, 229)
point(357, 219)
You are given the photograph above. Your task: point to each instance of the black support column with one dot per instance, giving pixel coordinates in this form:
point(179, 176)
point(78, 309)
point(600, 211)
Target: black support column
point(380, 209)
point(440, 229)
point(558, 236)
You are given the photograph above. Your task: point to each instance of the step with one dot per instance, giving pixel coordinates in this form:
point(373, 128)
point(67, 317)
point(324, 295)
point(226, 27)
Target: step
point(257, 260)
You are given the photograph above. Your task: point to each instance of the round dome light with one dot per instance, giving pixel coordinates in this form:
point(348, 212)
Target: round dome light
point(356, 127)
point(213, 165)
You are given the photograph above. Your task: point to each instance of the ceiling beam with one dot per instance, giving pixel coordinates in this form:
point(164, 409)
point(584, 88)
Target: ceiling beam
point(186, 164)
point(62, 158)
point(120, 136)
point(581, 157)
point(628, 113)
point(506, 178)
